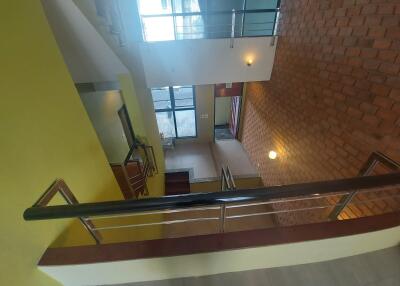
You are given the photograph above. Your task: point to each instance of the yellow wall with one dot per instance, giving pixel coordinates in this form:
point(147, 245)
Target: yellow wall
point(45, 134)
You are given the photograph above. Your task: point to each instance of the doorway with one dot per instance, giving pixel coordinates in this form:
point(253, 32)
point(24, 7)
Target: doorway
point(227, 105)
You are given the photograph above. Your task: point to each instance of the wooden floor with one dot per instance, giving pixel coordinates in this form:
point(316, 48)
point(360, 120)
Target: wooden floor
point(379, 268)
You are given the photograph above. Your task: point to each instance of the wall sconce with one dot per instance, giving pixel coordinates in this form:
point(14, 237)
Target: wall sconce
point(272, 155)
point(249, 62)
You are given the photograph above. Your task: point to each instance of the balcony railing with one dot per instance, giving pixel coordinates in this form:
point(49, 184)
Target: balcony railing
point(221, 211)
point(210, 25)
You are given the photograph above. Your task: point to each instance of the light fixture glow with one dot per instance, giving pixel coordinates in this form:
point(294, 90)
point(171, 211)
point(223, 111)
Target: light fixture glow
point(249, 61)
point(272, 155)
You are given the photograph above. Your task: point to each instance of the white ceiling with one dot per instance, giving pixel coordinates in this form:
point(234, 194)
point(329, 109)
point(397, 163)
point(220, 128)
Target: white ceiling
point(88, 57)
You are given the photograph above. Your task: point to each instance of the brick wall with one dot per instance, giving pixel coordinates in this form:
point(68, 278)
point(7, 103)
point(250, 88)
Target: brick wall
point(334, 94)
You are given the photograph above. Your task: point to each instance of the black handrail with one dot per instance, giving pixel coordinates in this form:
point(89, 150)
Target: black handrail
point(203, 199)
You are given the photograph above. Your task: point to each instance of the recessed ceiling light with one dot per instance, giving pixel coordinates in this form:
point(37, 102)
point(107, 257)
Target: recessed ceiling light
point(272, 155)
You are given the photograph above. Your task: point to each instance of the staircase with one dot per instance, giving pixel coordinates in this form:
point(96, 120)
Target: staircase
point(132, 174)
point(177, 183)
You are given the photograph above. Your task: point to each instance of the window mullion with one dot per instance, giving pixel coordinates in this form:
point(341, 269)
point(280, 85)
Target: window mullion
point(172, 97)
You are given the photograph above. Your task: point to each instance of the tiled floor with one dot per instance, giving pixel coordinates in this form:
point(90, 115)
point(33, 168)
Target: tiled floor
point(232, 154)
point(195, 156)
point(223, 133)
point(205, 160)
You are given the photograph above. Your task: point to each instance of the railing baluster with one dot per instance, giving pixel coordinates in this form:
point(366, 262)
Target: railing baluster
point(368, 167)
point(232, 181)
point(222, 219)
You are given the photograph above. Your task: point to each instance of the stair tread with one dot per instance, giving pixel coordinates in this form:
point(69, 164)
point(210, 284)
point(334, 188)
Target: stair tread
point(177, 177)
point(177, 183)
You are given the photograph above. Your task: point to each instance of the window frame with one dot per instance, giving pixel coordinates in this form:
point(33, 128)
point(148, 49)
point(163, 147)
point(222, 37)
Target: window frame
point(173, 109)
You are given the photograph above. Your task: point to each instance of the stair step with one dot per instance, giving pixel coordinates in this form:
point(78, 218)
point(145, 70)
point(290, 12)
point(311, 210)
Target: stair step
point(177, 183)
point(177, 177)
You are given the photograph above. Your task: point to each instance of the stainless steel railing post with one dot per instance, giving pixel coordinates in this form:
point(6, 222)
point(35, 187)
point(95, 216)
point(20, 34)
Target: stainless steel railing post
point(222, 219)
point(366, 170)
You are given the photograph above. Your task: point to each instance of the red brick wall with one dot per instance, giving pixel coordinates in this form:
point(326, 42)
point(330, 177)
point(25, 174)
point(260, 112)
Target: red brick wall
point(334, 95)
point(333, 98)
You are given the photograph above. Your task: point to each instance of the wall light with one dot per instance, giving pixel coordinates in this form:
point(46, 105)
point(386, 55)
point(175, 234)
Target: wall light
point(272, 155)
point(249, 62)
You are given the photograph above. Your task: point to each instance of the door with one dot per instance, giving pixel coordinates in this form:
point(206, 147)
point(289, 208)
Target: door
point(235, 112)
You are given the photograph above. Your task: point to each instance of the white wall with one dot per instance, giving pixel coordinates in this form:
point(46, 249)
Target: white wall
point(102, 108)
point(222, 110)
point(207, 61)
point(223, 261)
point(88, 57)
point(130, 56)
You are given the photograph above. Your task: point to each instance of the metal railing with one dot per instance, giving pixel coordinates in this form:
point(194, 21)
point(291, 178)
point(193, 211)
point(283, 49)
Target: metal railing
point(214, 24)
point(366, 170)
point(59, 186)
point(143, 157)
point(225, 208)
point(148, 157)
point(227, 180)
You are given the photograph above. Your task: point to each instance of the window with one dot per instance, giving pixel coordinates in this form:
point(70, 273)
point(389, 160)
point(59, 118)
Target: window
point(175, 111)
point(162, 20)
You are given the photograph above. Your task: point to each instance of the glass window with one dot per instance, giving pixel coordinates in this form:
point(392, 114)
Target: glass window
point(161, 98)
point(161, 22)
point(185, 123)
point(158, 28)
point(183, 96)
point(175, 111)
point(153, 7)
point(189, 27)
point(166, 125)
point(181, 6)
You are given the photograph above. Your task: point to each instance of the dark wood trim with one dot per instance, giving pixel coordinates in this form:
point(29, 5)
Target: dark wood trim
point(216, 242)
